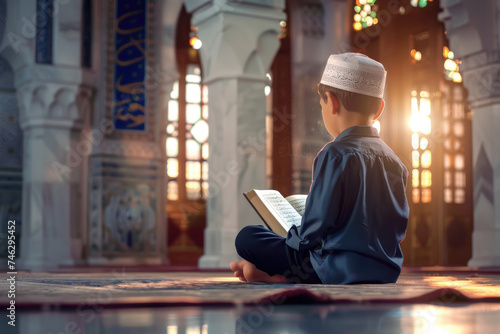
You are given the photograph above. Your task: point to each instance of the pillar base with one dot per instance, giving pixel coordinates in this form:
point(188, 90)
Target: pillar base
point(485, 252)
point(217, 261)
point(219, 249)
point(490, 261)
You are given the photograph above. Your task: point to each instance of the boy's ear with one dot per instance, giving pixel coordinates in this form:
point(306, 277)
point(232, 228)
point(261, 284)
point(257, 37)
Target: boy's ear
point(380, 110)
point(335, 103)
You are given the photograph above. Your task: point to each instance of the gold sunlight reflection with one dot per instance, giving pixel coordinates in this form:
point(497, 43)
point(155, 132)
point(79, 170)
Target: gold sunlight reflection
point(469, 287)
point(223, 279)
point(430, 320)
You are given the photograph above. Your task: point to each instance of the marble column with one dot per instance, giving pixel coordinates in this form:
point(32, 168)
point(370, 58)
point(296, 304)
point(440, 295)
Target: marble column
point(51, 118)
point(319, 26)
point(472, 30)
point(54, 93)
point(239, 43)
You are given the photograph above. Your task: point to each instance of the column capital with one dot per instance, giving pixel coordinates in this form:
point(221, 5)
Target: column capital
point(470, 27)
point(54, 105)
point(239, 39)
point(194, 5)
point(53, 96)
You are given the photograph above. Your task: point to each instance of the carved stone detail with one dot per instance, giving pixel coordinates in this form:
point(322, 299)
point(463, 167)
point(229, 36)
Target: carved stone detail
point(245, 35)
point(53, 102)
point(483, 84)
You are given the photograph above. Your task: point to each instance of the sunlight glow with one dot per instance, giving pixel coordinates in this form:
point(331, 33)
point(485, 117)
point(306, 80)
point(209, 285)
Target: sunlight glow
point(415, 158)
point(426, 178)
point(424, 143)
point(414, 141)
point(426, 159)
point(172, 168)
point(421, 126)
point(415, 178)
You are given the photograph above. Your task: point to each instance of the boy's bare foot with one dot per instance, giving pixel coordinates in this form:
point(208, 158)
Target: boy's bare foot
point(238, 270)
point(247, 272)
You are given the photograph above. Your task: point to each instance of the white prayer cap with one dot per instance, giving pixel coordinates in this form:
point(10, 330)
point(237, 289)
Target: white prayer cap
point(355, 72)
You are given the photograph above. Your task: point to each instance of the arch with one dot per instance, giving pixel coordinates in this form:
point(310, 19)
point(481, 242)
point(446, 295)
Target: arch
point(169, 15)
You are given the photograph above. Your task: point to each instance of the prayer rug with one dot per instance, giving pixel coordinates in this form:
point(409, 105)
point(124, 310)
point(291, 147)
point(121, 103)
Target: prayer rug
point(123, 288)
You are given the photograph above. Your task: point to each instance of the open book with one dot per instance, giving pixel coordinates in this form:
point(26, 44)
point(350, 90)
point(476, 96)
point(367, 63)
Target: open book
point(277, 212)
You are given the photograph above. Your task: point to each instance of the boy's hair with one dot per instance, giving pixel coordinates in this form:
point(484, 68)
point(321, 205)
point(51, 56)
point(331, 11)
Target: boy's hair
point(367, 105)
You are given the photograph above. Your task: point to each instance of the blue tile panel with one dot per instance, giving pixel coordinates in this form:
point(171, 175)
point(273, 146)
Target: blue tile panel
point(129, 65)
point(87, 34)
point(44, 23)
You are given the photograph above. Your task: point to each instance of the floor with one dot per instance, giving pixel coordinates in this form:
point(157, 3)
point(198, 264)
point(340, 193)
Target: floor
point(438, 301)
point(480, 318)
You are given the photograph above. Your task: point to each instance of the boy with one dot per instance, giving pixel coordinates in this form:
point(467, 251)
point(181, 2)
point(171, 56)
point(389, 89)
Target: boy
point(356, 212)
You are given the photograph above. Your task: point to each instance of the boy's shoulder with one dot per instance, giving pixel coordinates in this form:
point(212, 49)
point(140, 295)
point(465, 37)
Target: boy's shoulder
point(359, 148)
point(346, 146)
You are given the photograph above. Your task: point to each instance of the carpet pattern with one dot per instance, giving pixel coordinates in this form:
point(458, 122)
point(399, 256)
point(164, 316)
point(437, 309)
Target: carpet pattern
point(121, 288)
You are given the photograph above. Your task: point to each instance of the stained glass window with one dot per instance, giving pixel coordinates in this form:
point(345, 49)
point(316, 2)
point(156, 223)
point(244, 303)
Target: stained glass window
point(187, 138)
point(454, 144)
point(421, 156)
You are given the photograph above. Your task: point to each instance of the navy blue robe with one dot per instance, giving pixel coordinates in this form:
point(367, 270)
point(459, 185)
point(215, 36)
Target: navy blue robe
point(356, 212)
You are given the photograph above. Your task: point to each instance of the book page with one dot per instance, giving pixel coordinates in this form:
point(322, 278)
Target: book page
point(280, 207)
point(298, 202)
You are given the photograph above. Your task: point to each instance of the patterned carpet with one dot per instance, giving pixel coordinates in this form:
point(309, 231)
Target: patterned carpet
point(127, 289)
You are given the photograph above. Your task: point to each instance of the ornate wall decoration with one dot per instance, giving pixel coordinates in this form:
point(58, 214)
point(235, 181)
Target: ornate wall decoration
point(123, 210)
point(130, 58)
point(129, 218)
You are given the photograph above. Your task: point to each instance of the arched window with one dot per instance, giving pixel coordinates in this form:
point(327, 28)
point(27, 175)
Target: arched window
point(187, 150)
point(187, 137)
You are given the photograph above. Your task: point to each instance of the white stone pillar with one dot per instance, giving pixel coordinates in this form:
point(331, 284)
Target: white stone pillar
point(51, 118)
point(54, 98)
point(239, 43)
point(472, 31)
point(320, 26)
